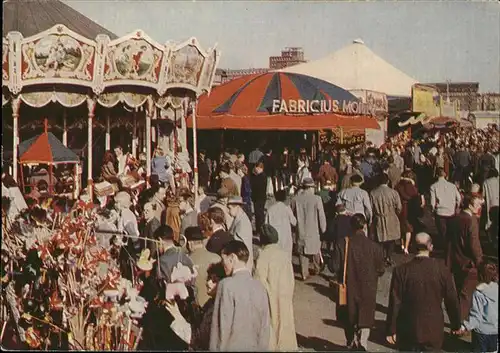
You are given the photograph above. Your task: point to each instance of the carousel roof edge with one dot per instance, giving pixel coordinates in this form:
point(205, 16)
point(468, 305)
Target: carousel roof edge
point(60, 55)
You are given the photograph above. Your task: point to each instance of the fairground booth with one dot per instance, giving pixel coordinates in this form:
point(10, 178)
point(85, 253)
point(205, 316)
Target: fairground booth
point(286, 109)
point(95, 89)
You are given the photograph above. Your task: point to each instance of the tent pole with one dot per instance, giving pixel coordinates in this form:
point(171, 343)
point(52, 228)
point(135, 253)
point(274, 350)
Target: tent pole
point(91, 104)
point(195, 152)
point(65, 128)
point(108, 132)
point(149, 112)
point(16, 104)
point(134, 135)
point(51, 189)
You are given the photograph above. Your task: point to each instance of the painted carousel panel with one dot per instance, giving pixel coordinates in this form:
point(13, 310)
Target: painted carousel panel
point(133, 100)
point(57, 58)
point(133, 60)
point(186, 65)
point(209, 71)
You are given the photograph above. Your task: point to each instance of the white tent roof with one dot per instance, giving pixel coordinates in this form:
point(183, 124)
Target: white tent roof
point(357, 67)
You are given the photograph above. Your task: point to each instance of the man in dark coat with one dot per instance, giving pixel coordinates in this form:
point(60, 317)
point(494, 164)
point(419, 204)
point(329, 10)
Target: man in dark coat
point(465, 253)
point(258, 182)
point(415, 319)
point(365, 263)
point(203, 170)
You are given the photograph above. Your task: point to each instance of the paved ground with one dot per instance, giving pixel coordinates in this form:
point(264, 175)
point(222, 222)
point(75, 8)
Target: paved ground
point(315, 318)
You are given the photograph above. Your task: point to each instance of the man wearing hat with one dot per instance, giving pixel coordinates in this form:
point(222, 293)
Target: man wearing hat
point(202, 259)
point(274, 270)
point(311, 222)
point(241, 228)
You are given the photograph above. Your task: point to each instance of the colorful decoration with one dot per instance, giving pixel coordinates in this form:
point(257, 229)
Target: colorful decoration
point(61, 56)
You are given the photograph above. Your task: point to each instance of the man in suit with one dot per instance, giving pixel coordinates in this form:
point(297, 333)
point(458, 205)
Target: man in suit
point(202, 259)
point(466, 253)
point(203, 170)
point(311, 222)
point(241, 228)
point(151, 225)
point(365, 263)
point(220, 236)
point(241, 319)
point(188, 213)
point(415, 319)
point(171, 255)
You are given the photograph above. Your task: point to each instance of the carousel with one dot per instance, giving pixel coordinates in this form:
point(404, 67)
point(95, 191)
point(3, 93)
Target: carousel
point(132, 83)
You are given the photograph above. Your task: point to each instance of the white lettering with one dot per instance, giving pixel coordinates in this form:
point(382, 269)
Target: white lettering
point(302, 106)
point(335, 106)
point(276, 105)
point(283, 108)
point(292, 106)
point(315, 102)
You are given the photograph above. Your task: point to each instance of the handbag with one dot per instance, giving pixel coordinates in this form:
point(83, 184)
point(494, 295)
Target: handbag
point(340, 288)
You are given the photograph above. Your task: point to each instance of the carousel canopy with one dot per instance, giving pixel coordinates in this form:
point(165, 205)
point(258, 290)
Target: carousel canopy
point(357, 67)
point(45, 148)
point(31, 17)
point(279, 101)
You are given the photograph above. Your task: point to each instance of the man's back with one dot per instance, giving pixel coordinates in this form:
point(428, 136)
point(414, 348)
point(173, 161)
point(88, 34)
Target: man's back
point(241, 319)
point(445, 197)
point(415, 306)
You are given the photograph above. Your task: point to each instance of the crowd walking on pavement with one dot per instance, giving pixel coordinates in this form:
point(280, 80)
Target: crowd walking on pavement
point(254, 213)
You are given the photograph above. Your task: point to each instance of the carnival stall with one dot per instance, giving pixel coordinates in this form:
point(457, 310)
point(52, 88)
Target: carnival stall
point(47, 150)
point(132, 78)
point(278, 101)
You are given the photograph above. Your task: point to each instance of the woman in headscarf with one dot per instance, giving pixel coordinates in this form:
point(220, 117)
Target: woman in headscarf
point(274, 270)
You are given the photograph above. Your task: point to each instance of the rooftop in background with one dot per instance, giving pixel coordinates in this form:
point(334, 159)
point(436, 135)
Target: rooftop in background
point(456, 86)
point(289, 56)
point(30, 17)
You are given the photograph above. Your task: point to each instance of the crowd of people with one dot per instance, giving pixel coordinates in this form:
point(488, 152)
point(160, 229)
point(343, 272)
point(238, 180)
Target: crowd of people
point(217, 274)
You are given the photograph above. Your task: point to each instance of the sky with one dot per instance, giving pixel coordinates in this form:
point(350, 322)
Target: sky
point(428, 40)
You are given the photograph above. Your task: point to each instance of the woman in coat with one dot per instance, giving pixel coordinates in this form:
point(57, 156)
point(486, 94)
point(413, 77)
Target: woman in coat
point(410, 201)
point(281, 217)
point(274, 270)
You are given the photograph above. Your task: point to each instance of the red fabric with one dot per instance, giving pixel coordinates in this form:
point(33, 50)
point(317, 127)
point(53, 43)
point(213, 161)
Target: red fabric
point(39, 152)
point(244, 113)
point(284, 122)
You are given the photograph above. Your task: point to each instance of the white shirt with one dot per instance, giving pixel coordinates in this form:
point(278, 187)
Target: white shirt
point(445, 198)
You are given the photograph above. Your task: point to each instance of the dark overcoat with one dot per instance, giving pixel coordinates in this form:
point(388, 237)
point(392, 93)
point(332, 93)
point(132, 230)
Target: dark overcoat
point(365, 263)
point(415, 313)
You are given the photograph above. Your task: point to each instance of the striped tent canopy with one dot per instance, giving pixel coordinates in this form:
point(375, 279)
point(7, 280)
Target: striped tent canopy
point(47, 149)
point(246, 103)
point(30, 17)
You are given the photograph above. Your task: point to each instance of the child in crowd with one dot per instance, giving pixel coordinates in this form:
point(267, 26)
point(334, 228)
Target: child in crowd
point(483, 316)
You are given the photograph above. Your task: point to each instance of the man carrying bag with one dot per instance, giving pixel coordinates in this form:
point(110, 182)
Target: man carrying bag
point(359, 261)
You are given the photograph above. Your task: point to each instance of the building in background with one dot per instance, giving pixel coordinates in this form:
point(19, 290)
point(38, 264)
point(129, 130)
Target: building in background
point(465, 93)
point(226, 75)
point(289, 56)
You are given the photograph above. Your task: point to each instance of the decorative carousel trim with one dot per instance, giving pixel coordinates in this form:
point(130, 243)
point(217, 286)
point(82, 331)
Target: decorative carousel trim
point(41, 99)
point(61, 56)
point(174, 102)
point(133, 100)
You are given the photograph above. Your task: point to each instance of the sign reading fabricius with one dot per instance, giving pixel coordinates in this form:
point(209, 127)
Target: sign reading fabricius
point(301, 106)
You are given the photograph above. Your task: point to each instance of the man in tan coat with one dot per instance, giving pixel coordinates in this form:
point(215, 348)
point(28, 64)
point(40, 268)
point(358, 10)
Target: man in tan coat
point(274, 270)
